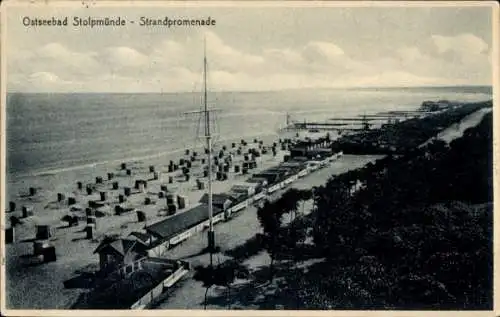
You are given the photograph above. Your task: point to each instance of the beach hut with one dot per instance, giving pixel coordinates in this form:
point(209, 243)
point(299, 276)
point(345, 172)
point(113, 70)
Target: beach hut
point(92, 220)
point(171, 198)
point(71, 201)
point(44, 232)
point(60, 197)
point(27, 211)
point(141, 216)
point(94, 204)
point(71, 220)
point(9, 235)
point(39, 246)
point(49, 254)
point(156, 176)
point(89, 212)
point(171, 209)
point(90, 231)
point(200, 185)
point(141, 186)
point(118, 210)
point(103, 196)
point(182, 201)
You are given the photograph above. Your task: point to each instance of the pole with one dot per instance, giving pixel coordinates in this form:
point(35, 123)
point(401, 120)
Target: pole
point(208, 135)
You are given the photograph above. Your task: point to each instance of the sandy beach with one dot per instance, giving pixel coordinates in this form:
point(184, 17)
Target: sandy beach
point(74, 251)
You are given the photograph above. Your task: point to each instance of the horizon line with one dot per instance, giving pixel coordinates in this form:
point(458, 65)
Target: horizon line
point(255, 91)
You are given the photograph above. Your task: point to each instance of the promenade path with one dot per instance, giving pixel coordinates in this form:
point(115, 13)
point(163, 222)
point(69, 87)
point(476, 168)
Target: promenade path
point(189, 294)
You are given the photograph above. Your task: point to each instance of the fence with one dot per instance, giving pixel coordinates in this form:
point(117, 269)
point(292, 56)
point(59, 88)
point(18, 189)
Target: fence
point(156, 292)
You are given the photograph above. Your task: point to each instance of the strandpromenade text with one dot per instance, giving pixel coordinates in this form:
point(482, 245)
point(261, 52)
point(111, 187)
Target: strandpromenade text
point(98, 22)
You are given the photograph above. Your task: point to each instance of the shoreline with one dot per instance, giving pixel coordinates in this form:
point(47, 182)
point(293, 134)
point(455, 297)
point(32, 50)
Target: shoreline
point(55, 170)
point(74, 252)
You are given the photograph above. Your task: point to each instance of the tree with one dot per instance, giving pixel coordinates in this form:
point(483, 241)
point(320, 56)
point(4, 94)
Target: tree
point(223, 274)
point(270, 219)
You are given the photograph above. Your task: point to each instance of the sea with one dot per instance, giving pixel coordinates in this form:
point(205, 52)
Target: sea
point(51, 133)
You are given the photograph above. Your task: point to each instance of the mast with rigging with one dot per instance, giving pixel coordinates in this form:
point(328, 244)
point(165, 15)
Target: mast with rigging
point(208, 137)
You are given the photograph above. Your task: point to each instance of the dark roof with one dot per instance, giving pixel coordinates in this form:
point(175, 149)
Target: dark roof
point(217, 199)
point(177, 224)
point(271, 177)
point(237, 197)
point(122, 246)
point(143, 237)
point(257, 180)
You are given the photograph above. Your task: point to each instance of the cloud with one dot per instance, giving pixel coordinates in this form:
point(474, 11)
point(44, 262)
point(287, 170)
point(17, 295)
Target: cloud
point(124, 57)
point(463, 44)
point(177, 65)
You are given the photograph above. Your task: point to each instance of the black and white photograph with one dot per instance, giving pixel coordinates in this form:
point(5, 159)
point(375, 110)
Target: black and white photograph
point(288, 157)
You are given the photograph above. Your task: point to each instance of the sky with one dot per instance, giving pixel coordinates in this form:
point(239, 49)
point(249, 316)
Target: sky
point(251, 49)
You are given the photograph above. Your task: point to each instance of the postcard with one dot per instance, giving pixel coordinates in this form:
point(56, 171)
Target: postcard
point(247, 158)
